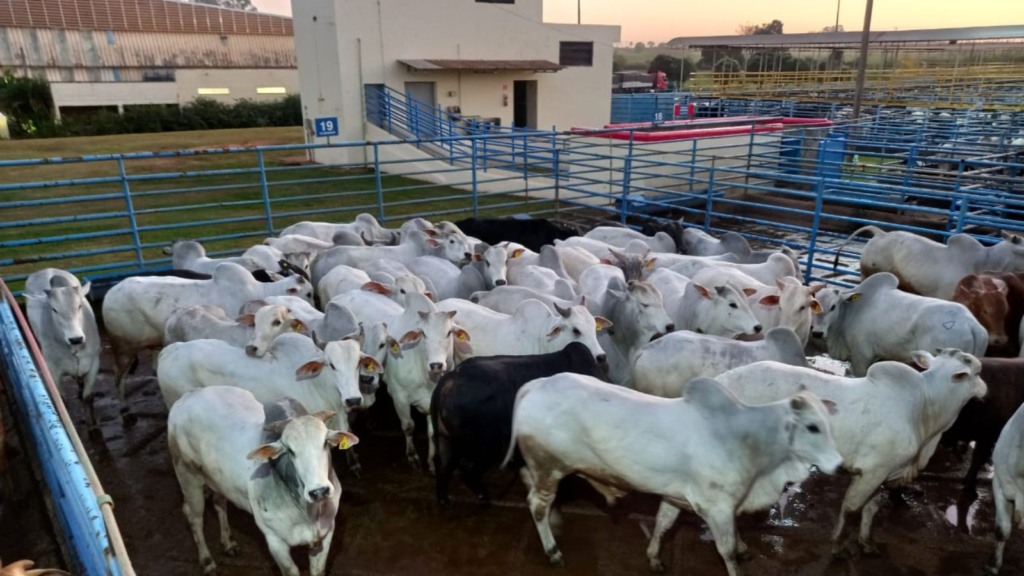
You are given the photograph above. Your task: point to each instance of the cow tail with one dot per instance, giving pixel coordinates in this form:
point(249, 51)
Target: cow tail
point(511, 452)
point(875, 231)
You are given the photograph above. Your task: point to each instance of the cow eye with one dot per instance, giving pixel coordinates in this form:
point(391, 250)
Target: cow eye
point(802, 308)
point(449, 333)
point(645, 305)
point(733, 305)
point(813, 428)
point(332, 366)
point(833, 307)
point(402, 291)
point(381, 347)
point(277, 322)
point(576, 332)
point(54, 310)
point(486, 263)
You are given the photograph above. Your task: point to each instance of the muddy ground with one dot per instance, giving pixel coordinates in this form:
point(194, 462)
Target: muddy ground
point(390, 525)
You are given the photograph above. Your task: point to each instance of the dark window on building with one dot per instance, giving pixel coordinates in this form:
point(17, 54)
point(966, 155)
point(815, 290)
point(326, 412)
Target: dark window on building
point(576, 53)
point(158, 75)
point(496, 1)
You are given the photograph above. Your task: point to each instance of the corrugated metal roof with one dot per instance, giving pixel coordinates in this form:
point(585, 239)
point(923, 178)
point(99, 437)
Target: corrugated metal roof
point(55, 48)
point(483, 65)
point(140, 16)
point(948, 35)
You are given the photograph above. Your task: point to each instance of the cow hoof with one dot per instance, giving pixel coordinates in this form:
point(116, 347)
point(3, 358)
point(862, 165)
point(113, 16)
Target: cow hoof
point(414, 461)
point(231, 549)
point(989, 570)
point(657, 566)
point(744, 556)
point(209, 566)
point(869, 548)
point(555, 558)
point(840, 552)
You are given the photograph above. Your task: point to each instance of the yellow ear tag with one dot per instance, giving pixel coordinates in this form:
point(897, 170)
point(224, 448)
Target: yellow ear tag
point(650, 264)
point(394, 348)
point(855, 297)
point(344, 443)
point(296, 328)
point(598, 327)
point(462, 336)
point(517, 253)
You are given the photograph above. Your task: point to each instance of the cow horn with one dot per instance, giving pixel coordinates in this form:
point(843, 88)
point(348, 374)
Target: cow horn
point(563, 311)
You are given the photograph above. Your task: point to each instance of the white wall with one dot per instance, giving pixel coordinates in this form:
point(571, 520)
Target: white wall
point(344, 44)
point(119, 94)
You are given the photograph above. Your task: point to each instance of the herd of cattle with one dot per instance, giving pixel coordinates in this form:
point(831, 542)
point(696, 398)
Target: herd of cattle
point(673, 363)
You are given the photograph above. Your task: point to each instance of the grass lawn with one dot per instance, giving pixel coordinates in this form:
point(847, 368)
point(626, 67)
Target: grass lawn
point(186, 198)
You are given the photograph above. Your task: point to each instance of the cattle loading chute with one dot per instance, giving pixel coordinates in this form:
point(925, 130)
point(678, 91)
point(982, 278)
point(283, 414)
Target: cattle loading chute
point(634, 81)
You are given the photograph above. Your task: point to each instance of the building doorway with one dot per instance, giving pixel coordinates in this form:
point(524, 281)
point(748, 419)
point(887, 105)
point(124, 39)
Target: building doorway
point(524, 104)
point(422, 108)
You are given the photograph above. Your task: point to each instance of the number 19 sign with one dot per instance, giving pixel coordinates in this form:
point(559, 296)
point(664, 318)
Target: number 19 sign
point(326, 126)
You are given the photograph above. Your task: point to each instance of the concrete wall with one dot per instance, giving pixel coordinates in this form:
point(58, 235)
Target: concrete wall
point(342, 45)
point(70, 94)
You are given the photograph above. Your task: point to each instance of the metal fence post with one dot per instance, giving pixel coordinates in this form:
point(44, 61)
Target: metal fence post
point(126, 189)
point(378, 181)
point(957, 200)
point(476, 199)
point(264, 189)
point(819, 200)
point(627, 169)
point(556, 160)
point(710, 201)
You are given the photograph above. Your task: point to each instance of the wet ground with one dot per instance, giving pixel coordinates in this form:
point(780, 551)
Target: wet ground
point(389, 525)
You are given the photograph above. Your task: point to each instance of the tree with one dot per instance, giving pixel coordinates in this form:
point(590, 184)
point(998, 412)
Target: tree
point(769, 28)
point(27, 102)
point(670, 65)
point(838, 28)
point(640, 46)
point(234, 4)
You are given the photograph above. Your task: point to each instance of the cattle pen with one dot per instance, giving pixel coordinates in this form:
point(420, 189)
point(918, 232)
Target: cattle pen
point(787, 174)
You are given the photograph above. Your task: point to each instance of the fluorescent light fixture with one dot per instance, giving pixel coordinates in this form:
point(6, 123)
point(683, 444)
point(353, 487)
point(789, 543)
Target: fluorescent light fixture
point(271, 90)
point(213, 91)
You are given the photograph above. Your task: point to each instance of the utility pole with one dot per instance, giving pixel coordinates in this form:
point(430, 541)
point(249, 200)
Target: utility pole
point(862, 65)
point(838, 4)
point(579, 13)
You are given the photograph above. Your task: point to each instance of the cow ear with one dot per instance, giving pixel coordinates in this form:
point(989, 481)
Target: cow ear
point(748, 292)
point(246, 320)
point(922, 358)
point(410, 338)
point(369, 364)
point(517, 253)
point(703, 291)
point(769, 300)
point(477, 257)
point(554, 332)
point(461, 343)
point(376, 287)
point(961, 376)
point(325, 415)
point(85, 288)
point(605, 261)
point(649, 263)
point(817, 287)
point(853, 297)
point(267, 452)
point(816, 306)
point(433, 243)
point(830, 406)
point(309, 370)
point(394, 348)
point(602, 323)
point(298, 325)
point(343, 440)
point(797, 403)
point(429, 295)
point(460, 334)
point(617, 294)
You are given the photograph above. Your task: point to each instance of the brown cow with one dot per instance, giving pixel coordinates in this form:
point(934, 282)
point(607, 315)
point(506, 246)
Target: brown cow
point(996, 299)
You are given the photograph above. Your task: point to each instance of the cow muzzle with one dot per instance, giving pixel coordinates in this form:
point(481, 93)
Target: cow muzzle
point(436, 370)
point(251, 351)
point(320, 494)
point(354, 402)
point(367, 384)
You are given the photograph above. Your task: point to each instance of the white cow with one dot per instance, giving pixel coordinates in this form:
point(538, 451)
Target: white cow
point(531, 329)
point(505, 299)
point(932, 269)
point(298, 243)
point(191, 255)
point(620, 237)
point(777, 267)
point(786, 303)
point(876, 321)
point(687, 355)
point(548, 257)
point(706, 452)
point(1007, 484)
point(65, 328)
point(452, 247)
point(253, 332)
point(270, 258)
point(365, 226)
point(294, 366)
point(700, 243)
point(272, 462)
point(635, 309)
point(345, 278)
point(542, 280)
point(889, 422)
point(486, 270)
point(718, 311)
point(136, 310)
point(423, 350)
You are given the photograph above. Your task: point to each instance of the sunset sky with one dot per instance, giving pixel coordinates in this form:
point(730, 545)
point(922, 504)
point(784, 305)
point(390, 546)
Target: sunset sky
point(661, 20)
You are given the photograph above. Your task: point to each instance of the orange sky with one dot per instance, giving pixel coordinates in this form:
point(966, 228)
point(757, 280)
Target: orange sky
point(661, 20)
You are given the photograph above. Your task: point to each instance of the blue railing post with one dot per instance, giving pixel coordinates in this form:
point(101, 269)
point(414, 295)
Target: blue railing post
point(556, 166)
point(627, 169)
point(265, 191)
point(476, 199)
point(710, 200)
point(957, 198)
point(378, 181)
point(819, 200)
point(129, 206)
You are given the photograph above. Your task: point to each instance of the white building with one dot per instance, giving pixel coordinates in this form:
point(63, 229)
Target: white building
point(117, 53)
point(491, 59)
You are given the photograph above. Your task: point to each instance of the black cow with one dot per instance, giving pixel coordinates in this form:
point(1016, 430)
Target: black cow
point(674, 229)
point(981, 421)
point(532, 233)
point(471, 410)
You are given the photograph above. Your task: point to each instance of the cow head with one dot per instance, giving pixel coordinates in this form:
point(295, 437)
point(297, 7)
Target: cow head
point(373, 339)
point(398, 289)
point(300, 457)
point(434, 337)
point(493, 263)
point(810, 438)
point(339, 365)
point(66, 306)
point(268, 323)
point(723, 311)
point(296, 286)
point(641, 305)
point(796, 304)
point(828, 299)
point(951, 375)
point(571, 324)
point(452, 246)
